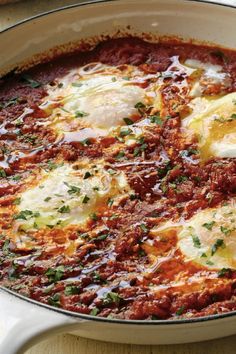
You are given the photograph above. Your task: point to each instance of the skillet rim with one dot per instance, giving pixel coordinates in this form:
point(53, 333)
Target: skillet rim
point(167, 322)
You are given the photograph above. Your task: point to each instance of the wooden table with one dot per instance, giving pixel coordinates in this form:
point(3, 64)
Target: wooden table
point(68, 344)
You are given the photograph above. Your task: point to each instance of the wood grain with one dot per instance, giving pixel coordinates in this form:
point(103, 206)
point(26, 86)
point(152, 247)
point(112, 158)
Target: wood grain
point(68, 344)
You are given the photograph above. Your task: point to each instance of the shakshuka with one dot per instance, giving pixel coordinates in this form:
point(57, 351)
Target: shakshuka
point(118, 180)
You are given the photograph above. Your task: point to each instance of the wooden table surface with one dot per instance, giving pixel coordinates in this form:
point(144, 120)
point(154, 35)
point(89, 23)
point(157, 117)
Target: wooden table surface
point(68, 344)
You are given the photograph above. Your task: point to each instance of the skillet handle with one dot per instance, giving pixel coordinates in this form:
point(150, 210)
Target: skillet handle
point(23, 324)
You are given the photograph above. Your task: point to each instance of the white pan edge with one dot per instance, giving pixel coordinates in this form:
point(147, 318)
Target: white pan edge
point(187, 19)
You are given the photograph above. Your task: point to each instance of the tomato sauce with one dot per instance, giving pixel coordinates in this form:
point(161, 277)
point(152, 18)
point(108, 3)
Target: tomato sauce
point(128, 274)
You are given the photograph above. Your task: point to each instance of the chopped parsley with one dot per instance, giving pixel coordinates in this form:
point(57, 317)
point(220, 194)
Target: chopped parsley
point(31, 82)
point(52, 165)
point(120, 155)
point(80, 114)
point(54, 300)
point(17, 201)
point(96, 276)
point(2, 173)
point(162, 171)
point(84, 236)
point(94, 216)
point(125, 132)
point(30, 138)
point(87, 175)
point(5, 248)
point(64, 209)
point(128, 121)
point(225, 230)
point(209, 262)
point(110, 202)
point(144, 228)
point(139, 149)
point(218, 244)
point(72, 189)
point(101, 237)
point(223, 272)
point(140, 105)
point(180, 310)
point(94, 311)
point(111, 297)
point(196, 241)
point(111, 171)
point(12, 101)
point(85, 199)
point(189, 152)
point(76, 84)
point(72, 290)
point(55, 274)
point(86, 142)
point(156, 119)
point(64, 110)
point(181, 179)
point(47, 199)
point(133, 196)
point(209, 225)
point(25, 214)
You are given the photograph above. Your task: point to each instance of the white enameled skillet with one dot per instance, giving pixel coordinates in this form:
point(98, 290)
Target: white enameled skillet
point(23, 322)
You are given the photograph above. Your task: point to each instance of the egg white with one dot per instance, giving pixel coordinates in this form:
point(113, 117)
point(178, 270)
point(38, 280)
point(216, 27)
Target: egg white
point(98, 97)
point(208, 238)
point(214, 123)
point(199, 237)
point(207, 74)
point(65, 196)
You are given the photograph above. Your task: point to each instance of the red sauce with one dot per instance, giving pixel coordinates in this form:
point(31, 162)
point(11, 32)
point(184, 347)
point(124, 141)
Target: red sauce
point(114, 275)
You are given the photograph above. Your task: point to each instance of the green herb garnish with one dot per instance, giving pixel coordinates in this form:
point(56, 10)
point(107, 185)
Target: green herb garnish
point(125, 132)
point(64, 209)
point(180, 311)
point(87, 175)
point(225, 230)
point(209, 225)
point(120, 155)
point(55, 274)
point(80, 114)
point(196, 241)
point(47, 199)
point(2, 173)
point(128, 121)
point(156, 119)
point(223, 272)
point(218, 244)
point(72, 290)
point(31, 82)
point(72, 189)
point(76, 84)
point(94, 311)
point(144, 228)
point(24, 215)
point(85, 199)
point(17, 201)
point(111, 297)
point(54, 300)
